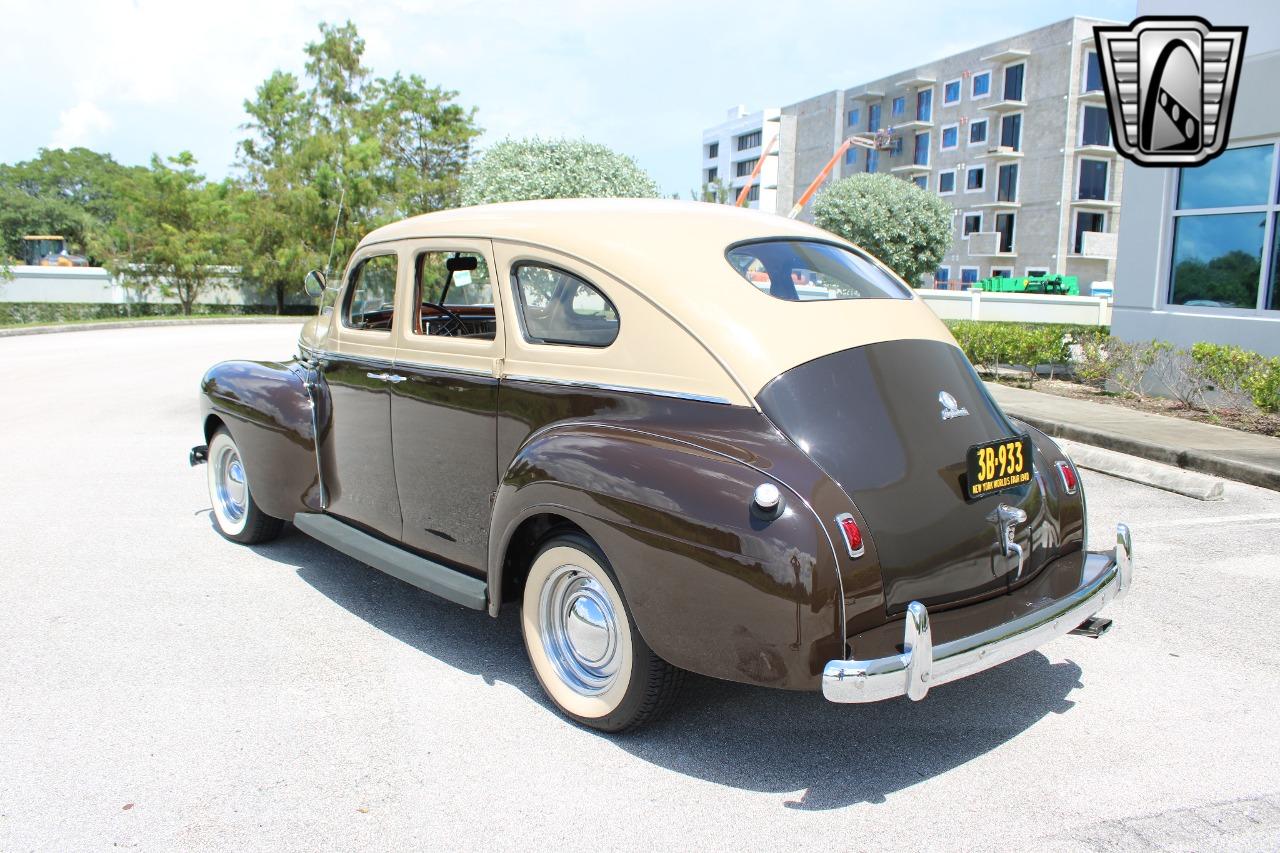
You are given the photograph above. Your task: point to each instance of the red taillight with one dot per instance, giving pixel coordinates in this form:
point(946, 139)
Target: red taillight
point(852, 535)
point(1068, 474)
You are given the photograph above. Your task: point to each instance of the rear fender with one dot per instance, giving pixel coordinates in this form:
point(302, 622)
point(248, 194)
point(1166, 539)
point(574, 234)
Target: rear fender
point(711, 586)
point(267, 408)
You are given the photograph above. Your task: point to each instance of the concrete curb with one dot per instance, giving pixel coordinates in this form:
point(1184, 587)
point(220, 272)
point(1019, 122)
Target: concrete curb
point(1192, 460)
point(1202, 487)
point(137, 324)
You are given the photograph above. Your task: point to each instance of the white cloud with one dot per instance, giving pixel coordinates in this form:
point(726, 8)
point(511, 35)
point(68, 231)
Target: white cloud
point(80, 125)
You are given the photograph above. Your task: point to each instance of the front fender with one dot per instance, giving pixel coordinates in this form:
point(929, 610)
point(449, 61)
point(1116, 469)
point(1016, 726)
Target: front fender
point(712, 587)
point(267, 407)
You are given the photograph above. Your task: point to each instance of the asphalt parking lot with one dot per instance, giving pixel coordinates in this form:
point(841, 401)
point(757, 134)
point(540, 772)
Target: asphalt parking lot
point(161, 688)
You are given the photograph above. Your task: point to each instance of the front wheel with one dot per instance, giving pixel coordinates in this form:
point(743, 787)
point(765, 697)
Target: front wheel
point(583, 645)
point(235, 513)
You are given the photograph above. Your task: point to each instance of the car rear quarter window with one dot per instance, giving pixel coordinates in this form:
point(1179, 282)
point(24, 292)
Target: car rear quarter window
point(809, 270)
point(558, 307)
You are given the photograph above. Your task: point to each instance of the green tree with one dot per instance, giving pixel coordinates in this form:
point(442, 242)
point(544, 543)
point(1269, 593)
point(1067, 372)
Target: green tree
point(73, 193)
point(379, 149)
point(907, 228)
point(525, 169)
point(171, 233)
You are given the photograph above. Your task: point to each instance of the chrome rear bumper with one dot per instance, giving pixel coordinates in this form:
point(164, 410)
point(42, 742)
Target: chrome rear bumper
point(1106, 578)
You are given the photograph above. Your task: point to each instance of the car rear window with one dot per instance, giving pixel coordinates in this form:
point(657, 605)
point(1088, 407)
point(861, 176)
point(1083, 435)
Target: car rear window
point(807, 270)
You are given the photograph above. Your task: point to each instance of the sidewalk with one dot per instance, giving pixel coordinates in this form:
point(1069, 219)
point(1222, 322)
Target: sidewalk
point(1242, 456)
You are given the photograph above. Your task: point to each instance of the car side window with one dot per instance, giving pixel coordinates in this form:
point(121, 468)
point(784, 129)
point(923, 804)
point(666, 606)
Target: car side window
point(455, 296)
point(371, 296)
point(557, 307)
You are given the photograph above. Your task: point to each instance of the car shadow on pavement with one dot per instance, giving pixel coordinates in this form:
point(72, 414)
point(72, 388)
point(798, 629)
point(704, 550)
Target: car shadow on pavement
point(752, 738)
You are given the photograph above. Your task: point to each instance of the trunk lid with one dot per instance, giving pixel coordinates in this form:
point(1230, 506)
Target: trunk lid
point(872, 419)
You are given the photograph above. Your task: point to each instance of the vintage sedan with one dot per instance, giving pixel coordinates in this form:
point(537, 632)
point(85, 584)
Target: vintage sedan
point(677, 437)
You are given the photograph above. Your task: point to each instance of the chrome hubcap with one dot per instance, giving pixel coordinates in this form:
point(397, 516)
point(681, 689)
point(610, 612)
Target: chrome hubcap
point(231, 493)
point(579, 630)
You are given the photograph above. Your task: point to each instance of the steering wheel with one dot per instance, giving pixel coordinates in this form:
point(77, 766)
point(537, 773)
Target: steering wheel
point(454, 325)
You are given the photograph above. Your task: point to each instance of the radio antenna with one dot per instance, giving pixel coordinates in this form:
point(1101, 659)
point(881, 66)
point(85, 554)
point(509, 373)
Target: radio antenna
point(333, 241)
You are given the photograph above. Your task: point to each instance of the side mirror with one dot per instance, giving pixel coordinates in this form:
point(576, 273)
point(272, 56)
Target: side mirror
point(314, 283)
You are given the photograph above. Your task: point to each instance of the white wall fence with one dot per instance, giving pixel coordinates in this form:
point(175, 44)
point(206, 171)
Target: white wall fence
point(1018, 307)
point(95, 285)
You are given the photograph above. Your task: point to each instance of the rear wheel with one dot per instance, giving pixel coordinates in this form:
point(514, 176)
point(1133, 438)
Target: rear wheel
point(235, 513)
point(583, 644)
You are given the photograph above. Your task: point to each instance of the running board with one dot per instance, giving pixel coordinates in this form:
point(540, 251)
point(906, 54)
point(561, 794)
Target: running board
point(419, 571)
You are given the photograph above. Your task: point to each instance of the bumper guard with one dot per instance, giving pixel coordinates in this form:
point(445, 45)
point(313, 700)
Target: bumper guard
point(1106, 578)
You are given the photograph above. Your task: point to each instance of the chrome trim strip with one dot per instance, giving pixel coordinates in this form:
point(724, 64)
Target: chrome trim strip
point(625, 389)
point(405, 364)
point(1107, 577)
point(315, 441)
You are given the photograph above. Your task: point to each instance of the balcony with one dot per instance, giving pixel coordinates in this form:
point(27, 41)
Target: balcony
point(1097, 150)
point(912, 124)
point(911, 169)
point(917, 81)
point(867, 95)
point(1009, 54)
point(1003, 153)
point(1096, 203)
point(1007, 205)
point(1005, 106)
point(986, 244)
point(1097, 96)
point(1098, 245)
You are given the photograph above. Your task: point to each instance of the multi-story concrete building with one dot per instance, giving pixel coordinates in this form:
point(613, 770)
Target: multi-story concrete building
point(731, 149)
point(1014, 134)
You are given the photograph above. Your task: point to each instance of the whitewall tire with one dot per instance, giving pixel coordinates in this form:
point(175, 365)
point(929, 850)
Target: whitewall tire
point(235, 513)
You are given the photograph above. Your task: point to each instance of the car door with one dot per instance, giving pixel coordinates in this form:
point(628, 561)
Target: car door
point(444, 402)
point(356, 448)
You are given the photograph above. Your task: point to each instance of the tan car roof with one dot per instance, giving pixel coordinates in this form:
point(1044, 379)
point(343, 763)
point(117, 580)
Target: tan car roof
point(673, 254)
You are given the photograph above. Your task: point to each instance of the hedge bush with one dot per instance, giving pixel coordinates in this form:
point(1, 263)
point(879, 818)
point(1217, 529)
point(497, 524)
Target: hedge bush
point(53, 313)
point(990, 345)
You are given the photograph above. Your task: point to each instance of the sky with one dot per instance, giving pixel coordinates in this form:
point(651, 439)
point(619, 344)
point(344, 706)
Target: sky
point(147, 76)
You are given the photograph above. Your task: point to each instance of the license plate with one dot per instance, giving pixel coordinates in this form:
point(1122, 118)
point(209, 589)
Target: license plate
point(998, 465)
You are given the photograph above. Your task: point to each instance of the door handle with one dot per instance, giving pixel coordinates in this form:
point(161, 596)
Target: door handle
point(381, 376)
point(387, 377)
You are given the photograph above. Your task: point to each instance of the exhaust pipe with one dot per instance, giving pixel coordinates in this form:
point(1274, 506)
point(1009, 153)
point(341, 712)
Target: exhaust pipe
point(1093, 627)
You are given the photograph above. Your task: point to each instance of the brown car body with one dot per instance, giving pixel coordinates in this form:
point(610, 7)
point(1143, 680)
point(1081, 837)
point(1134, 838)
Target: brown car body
point(467, 469)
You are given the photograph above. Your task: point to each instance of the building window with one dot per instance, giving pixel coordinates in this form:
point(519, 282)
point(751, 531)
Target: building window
point(899, 106)
point(921, 153)
point(950, 137)
point(1001, 272)
point(873, 117)
point(712, 174)
point(972, 222)
point(950, 93)
point(1007, 182)
point(754, 193)
point(1224, 221)
point(922, 181)
point(1092, 72)
point(942, 275)
point(1037, 272)
point(742, 168)
point(1011, 131)
point(873, 160)
point(1095, 127)
point(1004, 227)
point(750, 140)
point(978, 132)
point(947, 182)
point(924, 105)
point(1093, 180)
point(895, 147)
point(968, 275)
point(850, 156)
point(855, 115)
point(713, 150)
point(1087, 221)
point(1013, 79)
point(980, 85)
point(975, 179)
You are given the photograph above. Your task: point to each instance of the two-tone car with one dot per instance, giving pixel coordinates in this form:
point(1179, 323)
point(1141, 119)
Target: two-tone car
point(677, 437)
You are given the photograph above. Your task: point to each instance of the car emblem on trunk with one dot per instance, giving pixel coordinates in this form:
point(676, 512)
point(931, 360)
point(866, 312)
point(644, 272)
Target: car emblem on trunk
point(1006, 519)
point(950, 408)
